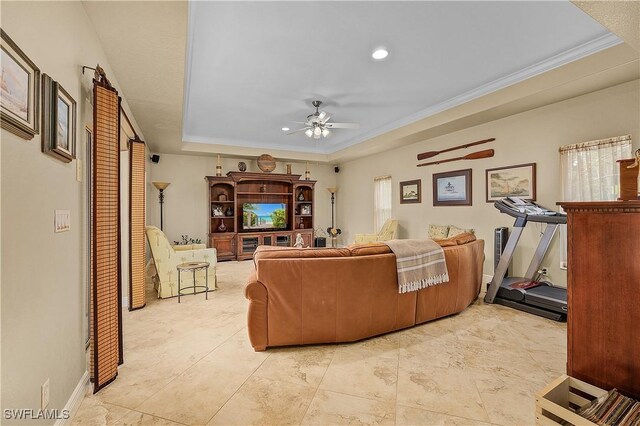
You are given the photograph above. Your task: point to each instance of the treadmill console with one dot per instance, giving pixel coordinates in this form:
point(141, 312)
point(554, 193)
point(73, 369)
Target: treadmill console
point(529, 211)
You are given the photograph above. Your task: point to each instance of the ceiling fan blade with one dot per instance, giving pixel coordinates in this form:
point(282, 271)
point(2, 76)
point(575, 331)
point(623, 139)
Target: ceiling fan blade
point(342, 125)
point(297, 131)
point(300, 122)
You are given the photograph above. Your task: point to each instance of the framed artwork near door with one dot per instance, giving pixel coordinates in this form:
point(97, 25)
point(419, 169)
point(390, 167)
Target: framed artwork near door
point(58, 121)
point(20, 90)
point(452, 188)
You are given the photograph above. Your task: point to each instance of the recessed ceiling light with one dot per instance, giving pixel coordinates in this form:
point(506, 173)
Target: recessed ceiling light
point(380, 54)
point(285, 129)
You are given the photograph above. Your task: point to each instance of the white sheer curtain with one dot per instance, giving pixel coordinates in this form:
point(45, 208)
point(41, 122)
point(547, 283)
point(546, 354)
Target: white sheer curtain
point(381, 201)
point(590, 173)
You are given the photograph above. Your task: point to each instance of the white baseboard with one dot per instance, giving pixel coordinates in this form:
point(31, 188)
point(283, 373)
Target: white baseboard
point(75, 400)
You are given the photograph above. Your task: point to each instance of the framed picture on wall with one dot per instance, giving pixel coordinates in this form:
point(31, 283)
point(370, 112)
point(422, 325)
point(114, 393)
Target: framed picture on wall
point(58, 121)
point(452, 188)
point(411, 191)
point(511, 181)
point(20, 90)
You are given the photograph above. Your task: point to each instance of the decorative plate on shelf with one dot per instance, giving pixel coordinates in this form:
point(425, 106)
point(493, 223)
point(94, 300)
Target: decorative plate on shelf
point(266, 163)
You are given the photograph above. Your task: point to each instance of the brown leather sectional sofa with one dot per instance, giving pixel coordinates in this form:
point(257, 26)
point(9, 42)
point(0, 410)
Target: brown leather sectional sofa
point(303, 296)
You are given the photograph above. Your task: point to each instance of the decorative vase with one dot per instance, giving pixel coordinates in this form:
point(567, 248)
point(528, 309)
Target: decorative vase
point(301, 197)
point(242, 166)
point(222, 227)
point(229, 211)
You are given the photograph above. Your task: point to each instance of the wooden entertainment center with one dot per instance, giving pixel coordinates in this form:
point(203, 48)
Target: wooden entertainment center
point(227, 196)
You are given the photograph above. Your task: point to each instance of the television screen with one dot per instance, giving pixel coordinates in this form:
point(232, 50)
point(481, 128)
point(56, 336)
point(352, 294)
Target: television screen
point(264, 216)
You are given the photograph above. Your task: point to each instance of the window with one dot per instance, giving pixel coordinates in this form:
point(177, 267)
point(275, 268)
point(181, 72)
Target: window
point(381, 201)
point(590, 173)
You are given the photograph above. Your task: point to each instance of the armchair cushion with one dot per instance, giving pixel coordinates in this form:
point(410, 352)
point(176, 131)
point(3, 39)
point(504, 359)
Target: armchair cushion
point(366, 238)
point(388, 232)
point(166, 258)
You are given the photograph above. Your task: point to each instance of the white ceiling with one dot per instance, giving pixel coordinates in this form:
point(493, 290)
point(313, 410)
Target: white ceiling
point(253, 67)
point(145, 42)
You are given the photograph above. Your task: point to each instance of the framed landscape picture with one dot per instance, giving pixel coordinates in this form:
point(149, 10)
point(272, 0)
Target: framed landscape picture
point(410, 191)
point(452, 188)
point(20, 90)
point(512, 181)
point(58, 121)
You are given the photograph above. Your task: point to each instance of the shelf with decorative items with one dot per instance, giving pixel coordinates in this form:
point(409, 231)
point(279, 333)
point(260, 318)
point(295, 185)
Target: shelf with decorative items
point(222, 219)
point(303, 213)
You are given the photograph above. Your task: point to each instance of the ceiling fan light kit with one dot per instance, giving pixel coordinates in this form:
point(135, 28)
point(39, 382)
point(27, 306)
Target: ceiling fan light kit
point(318, 126)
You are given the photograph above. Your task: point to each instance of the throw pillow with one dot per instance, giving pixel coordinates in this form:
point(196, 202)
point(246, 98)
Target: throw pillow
point(454, 230)
point(438, 232)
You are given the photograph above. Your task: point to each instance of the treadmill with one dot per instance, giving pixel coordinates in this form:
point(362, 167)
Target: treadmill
point(526, 293)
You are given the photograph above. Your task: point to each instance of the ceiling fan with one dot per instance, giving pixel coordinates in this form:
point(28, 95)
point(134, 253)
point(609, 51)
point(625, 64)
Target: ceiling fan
point(318, 126)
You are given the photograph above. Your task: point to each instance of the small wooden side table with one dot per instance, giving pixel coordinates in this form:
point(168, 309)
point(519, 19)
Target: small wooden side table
point(194, 267)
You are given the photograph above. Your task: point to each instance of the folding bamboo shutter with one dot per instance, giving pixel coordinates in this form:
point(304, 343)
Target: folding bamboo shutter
point(106, 339)
point(137, 246)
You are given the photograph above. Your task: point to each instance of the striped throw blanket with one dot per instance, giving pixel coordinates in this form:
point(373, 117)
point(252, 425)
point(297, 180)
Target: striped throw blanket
point(420, 264)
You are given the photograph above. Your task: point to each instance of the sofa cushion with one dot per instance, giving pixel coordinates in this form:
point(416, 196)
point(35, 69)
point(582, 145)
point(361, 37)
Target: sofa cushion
point(446, 242)
point(464, 238)
point(454, 231)
point(367, 249)
point(274, 252)
point(438, 232)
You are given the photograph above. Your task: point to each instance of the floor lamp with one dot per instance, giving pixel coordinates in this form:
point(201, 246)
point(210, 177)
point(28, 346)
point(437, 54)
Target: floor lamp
point(161, 186)
point(333, 231)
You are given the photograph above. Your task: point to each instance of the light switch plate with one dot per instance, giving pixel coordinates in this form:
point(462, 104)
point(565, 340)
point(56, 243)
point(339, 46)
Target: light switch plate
point(62, 220)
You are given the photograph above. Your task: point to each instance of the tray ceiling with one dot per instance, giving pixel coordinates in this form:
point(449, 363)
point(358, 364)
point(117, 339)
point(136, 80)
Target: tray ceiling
point(254, 67)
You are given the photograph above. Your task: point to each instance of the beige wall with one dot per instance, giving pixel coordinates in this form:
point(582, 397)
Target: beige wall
point(186, 199)
point(44, 274)
point(529, 137)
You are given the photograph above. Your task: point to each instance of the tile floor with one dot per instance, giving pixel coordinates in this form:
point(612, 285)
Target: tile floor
point(191, 363)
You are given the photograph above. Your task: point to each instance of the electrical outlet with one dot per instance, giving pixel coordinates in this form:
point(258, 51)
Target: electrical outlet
point(544, 271)
point(44, 395)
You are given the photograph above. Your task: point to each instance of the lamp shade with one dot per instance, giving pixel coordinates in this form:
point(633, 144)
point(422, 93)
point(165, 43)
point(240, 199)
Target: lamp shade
point(332, 190)
point(161, 186)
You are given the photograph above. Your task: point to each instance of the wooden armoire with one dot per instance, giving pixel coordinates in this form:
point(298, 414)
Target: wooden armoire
point(603, 322)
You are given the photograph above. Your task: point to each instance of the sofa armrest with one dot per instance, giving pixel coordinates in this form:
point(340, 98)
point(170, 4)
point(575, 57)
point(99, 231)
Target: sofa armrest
point(366, 238)
point(257, 328)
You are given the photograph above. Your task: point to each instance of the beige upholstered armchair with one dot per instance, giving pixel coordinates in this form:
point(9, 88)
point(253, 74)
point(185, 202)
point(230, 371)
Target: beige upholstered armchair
point(166, 257)
point(388, 232)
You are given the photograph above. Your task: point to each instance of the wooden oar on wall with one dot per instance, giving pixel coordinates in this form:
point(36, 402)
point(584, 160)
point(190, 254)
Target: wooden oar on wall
point(430, 154)
point(487, 153)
